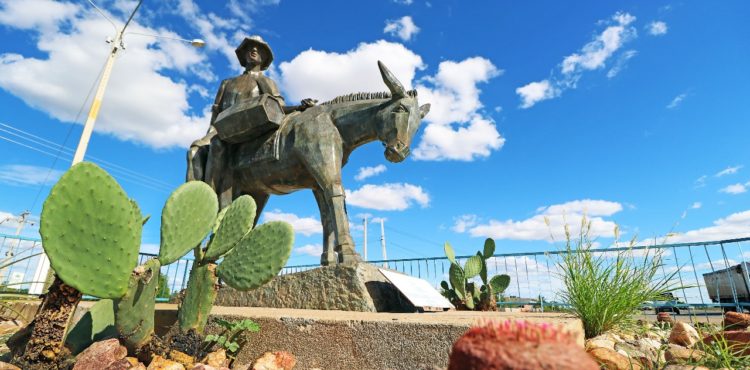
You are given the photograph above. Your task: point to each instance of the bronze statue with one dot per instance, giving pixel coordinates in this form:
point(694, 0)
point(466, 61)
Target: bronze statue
point(307, 151)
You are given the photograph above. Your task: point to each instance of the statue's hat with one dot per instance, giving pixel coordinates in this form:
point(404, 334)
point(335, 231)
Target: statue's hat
point(257, 41)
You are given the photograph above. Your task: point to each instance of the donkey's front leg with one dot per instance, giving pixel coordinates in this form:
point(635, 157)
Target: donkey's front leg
point(328, 257)
point(344, 243)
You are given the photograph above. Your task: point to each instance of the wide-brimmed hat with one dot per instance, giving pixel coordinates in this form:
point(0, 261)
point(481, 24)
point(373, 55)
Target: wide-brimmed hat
point(257, 41)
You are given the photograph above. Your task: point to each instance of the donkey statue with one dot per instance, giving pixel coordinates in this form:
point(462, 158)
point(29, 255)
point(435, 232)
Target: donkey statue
point(310, 147)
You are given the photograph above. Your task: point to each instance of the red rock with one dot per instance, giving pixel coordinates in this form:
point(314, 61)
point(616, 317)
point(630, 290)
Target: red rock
point(518, 345)
point(279, 360)
point(664, 317)
point(683, 334)
point(160, 363)
point(737, 340)
point(100, 355)
point(122, 364)
point(736, 321)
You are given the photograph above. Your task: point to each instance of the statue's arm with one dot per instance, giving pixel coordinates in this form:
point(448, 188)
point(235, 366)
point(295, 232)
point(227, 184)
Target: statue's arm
point(274, 91)
point(217, 103)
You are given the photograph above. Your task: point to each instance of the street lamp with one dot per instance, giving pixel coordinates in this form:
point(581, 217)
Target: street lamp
point(42, 268)
point(117, 44)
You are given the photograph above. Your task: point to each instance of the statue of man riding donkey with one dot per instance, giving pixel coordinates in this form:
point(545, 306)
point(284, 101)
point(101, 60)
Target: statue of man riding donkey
point(259, 146)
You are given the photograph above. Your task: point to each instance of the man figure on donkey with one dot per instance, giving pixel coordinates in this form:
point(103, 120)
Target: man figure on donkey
point(207, 157)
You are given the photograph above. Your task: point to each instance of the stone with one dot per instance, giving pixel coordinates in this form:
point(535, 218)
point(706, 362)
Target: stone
point(685, 367)
point(216, 358)
point(644, 355)
point(613, 360)
point(100, 355)
point(121, 364)
point(664, 317)
point(736, 321)
point(161, 363)
point(279, 360)
point(684, 334)
point(183, 358)
point(202, 366)
point(7, 366)
point(680, 354)
point(739, 340)
point(360, 287)
point(600, 342)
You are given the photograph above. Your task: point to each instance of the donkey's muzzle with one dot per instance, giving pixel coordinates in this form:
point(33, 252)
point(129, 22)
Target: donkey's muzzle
point(397, 153)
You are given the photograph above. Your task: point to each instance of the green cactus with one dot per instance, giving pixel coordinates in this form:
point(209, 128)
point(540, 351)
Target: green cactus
point(251, 258)
point(134, 312)
point(95, 325)
point(466, 294)
point(186, 219)
point(91, 232)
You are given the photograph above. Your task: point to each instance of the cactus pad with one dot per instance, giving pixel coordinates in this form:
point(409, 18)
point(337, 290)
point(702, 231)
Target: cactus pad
point(199, 298)
point(134, 312)
point(473, 266)
point(489, 248)
point(456, 277)
point(95, 325)
point(91, 232)
point(237, 221)
point(186, 219)
point(450, 253)
point(258, 257)
point(499, 283)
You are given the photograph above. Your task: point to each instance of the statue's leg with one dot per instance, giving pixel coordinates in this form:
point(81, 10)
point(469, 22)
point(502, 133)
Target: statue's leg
point(218, 174)
point(329, 237)
point(196, 162)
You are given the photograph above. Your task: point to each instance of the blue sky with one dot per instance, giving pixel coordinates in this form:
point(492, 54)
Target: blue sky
point(634, 113)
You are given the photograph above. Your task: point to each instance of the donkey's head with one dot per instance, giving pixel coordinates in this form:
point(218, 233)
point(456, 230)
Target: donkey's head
point(400, 118)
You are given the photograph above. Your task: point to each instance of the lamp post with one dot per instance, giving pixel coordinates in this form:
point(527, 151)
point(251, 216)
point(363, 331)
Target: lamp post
point(42, 272)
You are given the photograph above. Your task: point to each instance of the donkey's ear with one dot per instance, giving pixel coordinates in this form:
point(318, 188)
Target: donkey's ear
point(397, 90)
point(424, 109)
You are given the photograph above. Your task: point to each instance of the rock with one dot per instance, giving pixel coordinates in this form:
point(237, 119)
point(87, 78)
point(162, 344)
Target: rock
point(736, 321)
point(181, 357)
point(161, 363)
point(600, 342)
point(201, 366)
point(279, 360)
point(216, 358)
point(684, 335)
point(685, 367)
point(133, 361)
point(738, 340)
point(7, 366)
point(122, 364)
point(643, 355)
point(100, 355)
point(664, 317)
point(613, 360)
point(680, 354)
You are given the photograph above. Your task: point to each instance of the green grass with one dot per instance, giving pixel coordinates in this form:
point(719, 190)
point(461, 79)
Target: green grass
point(606, 291)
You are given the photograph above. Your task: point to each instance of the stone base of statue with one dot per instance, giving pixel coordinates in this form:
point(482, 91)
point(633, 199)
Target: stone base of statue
point(359, 287)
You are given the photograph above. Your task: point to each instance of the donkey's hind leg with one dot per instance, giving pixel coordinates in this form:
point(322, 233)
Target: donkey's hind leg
point(329, 236)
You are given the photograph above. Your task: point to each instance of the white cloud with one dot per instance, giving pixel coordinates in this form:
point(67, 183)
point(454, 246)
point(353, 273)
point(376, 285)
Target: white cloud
point(701, 181)
point(33, 14)
point(404, 28)
point(18, 174)
point(464, 132)
point(592, 56)
point(365, 172)
point(676, 101)
point(558, 215)
point(736, 225)
point(464, 222)
point(657, 28)
point(728, 171)
point(388, 197)
point(535, 92)
point(621, 63)
point(735, 188)
point(304, 225)
point(696, 205)
point(314, 250)
point(141, 104)
point(404, 2)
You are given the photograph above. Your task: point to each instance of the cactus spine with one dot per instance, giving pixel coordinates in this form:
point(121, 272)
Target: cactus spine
point(464, 293)
point(251, 258)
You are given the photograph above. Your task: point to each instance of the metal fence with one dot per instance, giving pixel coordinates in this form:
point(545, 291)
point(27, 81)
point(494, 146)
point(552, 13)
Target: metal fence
point(533, 275)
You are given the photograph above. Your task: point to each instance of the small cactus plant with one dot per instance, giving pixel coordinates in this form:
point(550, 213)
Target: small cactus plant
point(251, 257)
point(465, 294)
point(518, 345)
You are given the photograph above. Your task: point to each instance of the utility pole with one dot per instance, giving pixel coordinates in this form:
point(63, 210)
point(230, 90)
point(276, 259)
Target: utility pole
point(22, 221)
point(364, 220)
point(382, 241)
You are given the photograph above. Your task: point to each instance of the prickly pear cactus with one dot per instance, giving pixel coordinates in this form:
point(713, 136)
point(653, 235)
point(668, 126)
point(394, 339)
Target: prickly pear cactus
point(464, 293)
point(199, 298)
point(134, 313)
point(186, 219)
point(91, 231)
point(258, 257)
point(237, 222)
